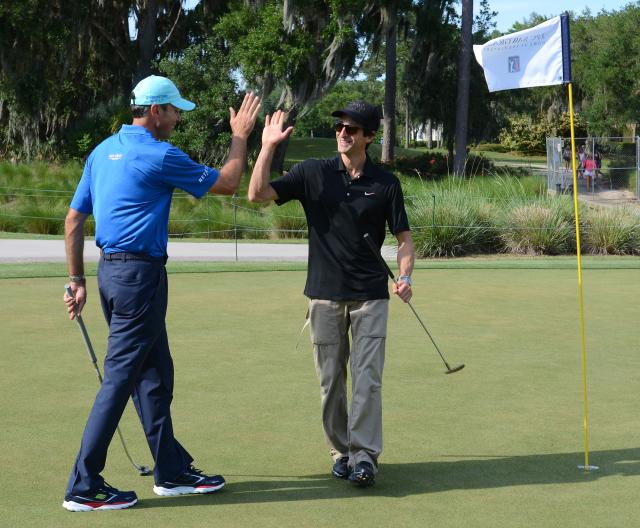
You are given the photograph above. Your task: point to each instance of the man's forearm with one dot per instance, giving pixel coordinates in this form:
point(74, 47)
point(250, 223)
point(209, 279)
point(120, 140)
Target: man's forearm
point(260, 189)
point(406, 256)
point(231, 173)
point(74, 242)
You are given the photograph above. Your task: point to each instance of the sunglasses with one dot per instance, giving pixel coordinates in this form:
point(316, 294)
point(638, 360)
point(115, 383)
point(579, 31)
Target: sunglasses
point(351, 129)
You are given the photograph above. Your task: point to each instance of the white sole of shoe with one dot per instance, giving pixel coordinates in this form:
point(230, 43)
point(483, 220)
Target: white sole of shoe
point(185, 490)
point(79, 507)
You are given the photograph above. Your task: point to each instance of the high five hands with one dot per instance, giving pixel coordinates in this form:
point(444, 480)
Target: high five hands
point(244, 119)
point(272, 134)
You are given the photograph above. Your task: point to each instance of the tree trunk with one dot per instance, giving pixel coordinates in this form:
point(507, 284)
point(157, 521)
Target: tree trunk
point(407, 128)
point(389, 133)
point(429, 134)
point(277, 165)
point(147, 36)
point(462, 100)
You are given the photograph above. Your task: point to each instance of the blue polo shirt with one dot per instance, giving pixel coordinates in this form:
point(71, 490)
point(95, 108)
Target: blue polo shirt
point(127, 185)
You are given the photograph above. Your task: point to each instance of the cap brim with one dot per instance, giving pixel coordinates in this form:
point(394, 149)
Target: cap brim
point(340, 113)
point(183, 104)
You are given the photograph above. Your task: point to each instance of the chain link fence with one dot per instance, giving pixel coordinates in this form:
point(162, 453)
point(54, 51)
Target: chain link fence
point(607, 167)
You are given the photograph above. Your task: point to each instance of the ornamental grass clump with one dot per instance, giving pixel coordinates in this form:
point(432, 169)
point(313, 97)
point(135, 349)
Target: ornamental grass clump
point(288, 220)
point(543, 227)
point(461, 223)
point(238, 219)
point(612, 231)
point(43, 217)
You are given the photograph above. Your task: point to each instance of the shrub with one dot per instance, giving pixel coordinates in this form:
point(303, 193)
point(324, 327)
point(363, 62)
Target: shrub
point(612, 232)
point(433, 165)
point(491, 147)
point(289, 221)
point(460, 223)
point(45, 218)
point(542, 227)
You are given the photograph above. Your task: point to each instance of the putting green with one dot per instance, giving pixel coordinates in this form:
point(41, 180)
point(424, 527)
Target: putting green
point(497, 444)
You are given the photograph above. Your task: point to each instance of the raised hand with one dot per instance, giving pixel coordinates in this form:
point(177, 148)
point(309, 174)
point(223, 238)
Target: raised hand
point(272, 134)
point(244, 120)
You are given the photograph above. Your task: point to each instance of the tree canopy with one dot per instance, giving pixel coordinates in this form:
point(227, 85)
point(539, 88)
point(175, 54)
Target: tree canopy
point(67, 68)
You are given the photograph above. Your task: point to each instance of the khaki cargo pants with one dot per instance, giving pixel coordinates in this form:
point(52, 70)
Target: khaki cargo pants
point(358, 433)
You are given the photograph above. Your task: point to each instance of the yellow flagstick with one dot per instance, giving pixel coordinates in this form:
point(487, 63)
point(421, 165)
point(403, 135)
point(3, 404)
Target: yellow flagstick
point(586, 466)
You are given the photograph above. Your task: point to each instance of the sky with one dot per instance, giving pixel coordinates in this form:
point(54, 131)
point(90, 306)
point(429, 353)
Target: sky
point(510, 11)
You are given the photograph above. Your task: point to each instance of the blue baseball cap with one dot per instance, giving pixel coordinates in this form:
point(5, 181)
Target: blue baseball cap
point(159, 90)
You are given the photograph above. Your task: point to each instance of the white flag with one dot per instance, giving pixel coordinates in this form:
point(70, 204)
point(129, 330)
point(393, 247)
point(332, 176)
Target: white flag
point(532, 57)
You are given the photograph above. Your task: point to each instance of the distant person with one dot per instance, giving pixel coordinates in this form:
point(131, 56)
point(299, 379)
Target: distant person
point(127, 185)
point(582, 156)
point(589, 171)
point(566, 156)
point(345, 197)
point(597, 158)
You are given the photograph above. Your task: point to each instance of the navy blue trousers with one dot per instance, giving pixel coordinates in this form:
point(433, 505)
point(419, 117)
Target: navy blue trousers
point(138, 363)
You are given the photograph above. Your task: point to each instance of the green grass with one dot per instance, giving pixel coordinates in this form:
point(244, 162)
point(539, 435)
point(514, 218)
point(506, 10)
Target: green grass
point(510, 157)
point(494, 445)
point(488, 262)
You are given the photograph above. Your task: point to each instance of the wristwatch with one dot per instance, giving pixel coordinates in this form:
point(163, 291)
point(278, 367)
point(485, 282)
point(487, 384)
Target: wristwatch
point(406, 278)
point(77, 278)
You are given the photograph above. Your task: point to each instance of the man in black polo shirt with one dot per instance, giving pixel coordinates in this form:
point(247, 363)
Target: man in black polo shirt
point(343, 198)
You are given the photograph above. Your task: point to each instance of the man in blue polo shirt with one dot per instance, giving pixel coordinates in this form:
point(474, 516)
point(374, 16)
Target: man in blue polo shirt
point(345, 197)
point(127, 185)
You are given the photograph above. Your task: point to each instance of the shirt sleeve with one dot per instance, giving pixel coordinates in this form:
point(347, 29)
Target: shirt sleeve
point(291, 185)
point(82, 201)
point(396, 213)
point(179, 170)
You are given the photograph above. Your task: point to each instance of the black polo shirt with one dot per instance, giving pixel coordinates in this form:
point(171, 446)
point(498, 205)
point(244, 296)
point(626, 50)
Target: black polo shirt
point(339, 212)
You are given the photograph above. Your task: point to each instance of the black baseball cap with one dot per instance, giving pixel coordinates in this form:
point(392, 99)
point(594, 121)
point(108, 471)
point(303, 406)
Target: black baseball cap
point(363, 113)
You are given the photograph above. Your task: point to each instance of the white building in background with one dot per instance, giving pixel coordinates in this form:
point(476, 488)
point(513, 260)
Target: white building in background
point(424, 131)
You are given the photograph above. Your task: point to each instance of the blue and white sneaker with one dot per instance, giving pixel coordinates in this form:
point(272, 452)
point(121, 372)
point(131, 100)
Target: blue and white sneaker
point(191, 481)
point(105, 498)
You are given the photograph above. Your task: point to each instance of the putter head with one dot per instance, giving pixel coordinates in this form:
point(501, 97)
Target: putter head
point(455, 369)
point(145, 471)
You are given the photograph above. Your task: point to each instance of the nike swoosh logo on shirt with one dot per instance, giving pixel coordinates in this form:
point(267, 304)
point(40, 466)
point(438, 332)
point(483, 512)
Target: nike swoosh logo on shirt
point(368, 194)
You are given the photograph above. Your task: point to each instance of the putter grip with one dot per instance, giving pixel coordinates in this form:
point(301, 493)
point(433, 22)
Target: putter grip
point(70, 294)
point(374, 249)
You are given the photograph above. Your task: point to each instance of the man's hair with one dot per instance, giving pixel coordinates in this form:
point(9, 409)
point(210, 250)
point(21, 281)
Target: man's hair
point(142, 111)
point(371, 133)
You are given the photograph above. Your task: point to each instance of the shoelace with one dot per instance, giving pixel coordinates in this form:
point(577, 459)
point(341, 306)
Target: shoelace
point(193, 469)
point(109, 488)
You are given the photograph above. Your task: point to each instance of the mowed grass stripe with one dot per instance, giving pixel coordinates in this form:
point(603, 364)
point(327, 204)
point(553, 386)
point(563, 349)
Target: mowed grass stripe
point(494, 445)
point(59, 269)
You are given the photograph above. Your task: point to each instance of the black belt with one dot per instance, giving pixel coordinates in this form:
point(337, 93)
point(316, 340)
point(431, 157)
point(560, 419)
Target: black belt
point(123, 255)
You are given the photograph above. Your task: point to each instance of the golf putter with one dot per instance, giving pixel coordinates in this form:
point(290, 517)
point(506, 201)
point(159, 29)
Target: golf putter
point(376, 252)
point(143, 470)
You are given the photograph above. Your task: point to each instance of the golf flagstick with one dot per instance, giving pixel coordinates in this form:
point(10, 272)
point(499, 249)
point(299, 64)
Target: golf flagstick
point(143, 470)
point(376, 252)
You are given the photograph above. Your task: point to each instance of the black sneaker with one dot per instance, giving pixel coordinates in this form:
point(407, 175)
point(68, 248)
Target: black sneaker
point(340, 468)
point(362, 475)
point(105, 498)
point(191, 481)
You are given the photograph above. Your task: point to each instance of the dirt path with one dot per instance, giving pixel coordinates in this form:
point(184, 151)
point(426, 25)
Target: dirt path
point(610, 198)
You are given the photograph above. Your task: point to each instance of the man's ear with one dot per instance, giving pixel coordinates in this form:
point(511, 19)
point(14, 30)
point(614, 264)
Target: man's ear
point(154, 110)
